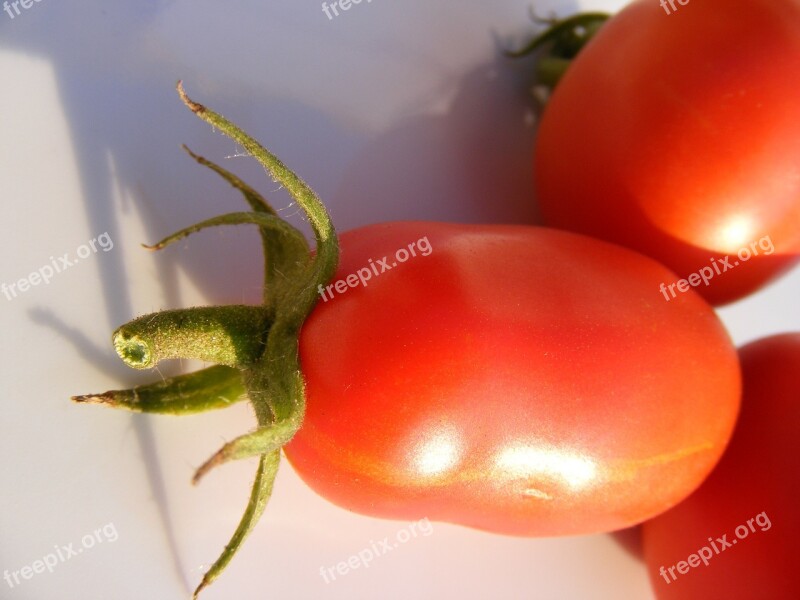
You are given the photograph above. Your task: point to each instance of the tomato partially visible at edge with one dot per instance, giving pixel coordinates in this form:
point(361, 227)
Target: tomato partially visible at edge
point(679, 136)
point(759, 473)
point(519, 380)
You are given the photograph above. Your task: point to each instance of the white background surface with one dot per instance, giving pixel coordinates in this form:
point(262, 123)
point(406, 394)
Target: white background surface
point(393, 110)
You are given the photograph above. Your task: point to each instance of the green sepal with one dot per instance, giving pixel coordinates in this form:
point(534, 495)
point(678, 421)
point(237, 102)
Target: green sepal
point(207, 389)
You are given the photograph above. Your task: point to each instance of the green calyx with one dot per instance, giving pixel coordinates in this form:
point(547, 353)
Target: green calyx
point(254, 348)
point(560, 43)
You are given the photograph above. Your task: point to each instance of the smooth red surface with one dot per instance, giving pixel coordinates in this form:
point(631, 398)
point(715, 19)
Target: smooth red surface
point(519, 380)
point(678, 135)
point(759, 473)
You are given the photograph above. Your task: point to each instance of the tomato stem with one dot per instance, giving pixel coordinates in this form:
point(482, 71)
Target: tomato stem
point(563, 40)
point(255, 348)
point(226, 335)
point(550, 70)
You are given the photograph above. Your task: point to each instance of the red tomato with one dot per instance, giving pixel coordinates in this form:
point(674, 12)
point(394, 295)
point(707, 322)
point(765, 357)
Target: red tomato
point(750, 499)
point(519, 380)
point(678, 135)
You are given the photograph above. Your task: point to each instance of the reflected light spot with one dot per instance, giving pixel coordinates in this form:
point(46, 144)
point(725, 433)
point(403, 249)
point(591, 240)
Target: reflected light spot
point(437, 454)
point(526, 461)
point(735, 233)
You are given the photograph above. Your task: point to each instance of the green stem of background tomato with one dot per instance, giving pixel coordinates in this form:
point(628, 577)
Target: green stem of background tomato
point(560, 43)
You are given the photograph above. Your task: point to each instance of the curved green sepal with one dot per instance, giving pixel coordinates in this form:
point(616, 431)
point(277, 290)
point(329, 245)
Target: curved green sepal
point(207, 389)
point(259, 496)
point(276, 254)
point(327, 254)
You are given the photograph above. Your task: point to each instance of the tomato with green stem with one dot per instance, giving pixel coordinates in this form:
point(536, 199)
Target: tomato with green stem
point(741, 525)
point(678, 135)
point(515, 379)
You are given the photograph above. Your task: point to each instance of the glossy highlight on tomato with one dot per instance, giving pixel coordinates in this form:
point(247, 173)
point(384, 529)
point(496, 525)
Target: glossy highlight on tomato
point(519, 380)
point(757, 480)
point(679, 136)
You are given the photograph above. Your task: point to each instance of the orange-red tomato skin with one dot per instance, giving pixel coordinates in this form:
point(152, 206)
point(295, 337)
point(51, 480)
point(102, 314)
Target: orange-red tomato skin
point(679, 136)
point(516, 379)
point(759, 473)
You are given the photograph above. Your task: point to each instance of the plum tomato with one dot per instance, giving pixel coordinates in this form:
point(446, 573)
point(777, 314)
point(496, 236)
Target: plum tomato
point(741, 526)
point(678, 135)
point(519, 380)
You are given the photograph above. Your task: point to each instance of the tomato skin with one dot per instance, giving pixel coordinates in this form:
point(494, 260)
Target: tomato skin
point(760, 472)
point(679, 136)
point(519, 380)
